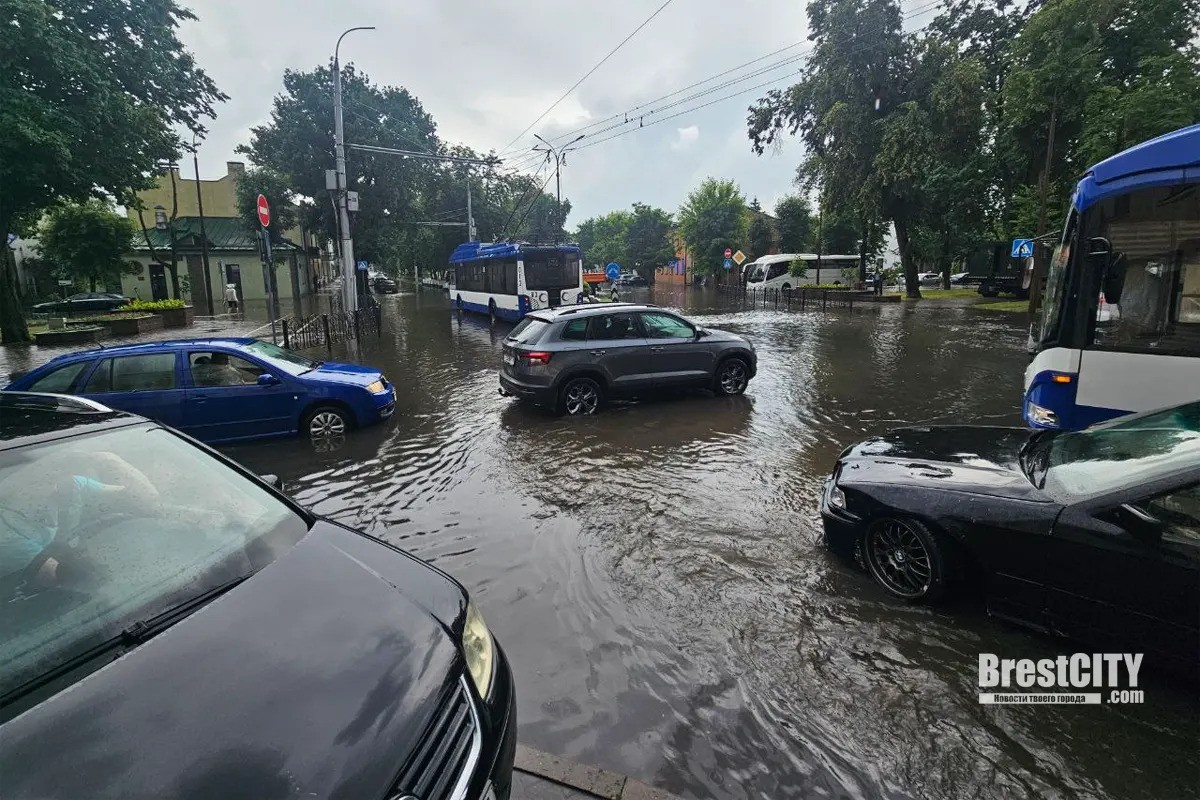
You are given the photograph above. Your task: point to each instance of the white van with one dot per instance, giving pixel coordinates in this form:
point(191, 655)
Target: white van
point(772, 272)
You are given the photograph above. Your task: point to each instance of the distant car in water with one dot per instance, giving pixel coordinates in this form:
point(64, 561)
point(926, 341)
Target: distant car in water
point(384, 284)
point(631, 279)
point(1092, 534)
point(573, 359)
point(221, 390)
point(960, 279)
point(84, 301)
point(176, 627)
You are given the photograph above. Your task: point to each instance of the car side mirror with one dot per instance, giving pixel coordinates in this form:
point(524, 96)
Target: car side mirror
point(267, 379)
point(273, 480)
point(701, 333)
point(1141, 524)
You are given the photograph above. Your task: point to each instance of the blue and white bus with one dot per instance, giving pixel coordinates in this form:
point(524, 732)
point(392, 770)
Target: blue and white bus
point(1120, 323)
point(507, 281)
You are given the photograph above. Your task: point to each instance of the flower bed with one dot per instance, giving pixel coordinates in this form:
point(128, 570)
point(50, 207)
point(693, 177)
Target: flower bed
point(127, 325)
point(75, 335)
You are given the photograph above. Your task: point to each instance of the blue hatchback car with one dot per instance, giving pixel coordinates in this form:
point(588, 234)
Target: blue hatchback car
point(221, 390)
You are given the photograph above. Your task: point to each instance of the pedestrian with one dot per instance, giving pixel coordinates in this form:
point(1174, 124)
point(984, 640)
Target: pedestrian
point(878, 281)
point(231, 298)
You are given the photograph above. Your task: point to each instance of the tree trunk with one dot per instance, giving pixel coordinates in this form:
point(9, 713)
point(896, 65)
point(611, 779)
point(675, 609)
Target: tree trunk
point(912, 286)
point(12, 319)
point(946, 261)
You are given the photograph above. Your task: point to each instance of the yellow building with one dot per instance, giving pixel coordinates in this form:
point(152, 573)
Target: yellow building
point(233, 247)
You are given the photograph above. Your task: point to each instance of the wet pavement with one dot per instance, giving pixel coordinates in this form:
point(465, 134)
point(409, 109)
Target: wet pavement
point(656, 577)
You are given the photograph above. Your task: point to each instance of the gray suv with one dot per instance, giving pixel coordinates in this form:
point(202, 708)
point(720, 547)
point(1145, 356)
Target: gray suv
point(572, 359)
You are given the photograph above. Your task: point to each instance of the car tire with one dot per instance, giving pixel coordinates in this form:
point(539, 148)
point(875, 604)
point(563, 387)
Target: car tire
point(324, 421)
point(580, 397)
point(989, 292)
point(906, 559)
point(787, 287)
point(733, 374)
point(492, 311)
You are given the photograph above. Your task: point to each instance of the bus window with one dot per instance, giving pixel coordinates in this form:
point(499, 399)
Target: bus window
point(1155, 236)
point(510, 277)
point(1056, 277)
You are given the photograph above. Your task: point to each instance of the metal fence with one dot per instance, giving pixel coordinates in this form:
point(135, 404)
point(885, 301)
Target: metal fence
point(325, 330)
point(798, 299)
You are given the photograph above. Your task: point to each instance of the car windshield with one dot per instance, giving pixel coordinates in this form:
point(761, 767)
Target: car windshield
point(100, 533)
point(1131, 450)
point(286, 360)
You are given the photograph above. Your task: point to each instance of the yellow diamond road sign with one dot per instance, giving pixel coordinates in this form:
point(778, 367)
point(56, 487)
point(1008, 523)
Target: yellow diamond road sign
point(739, 257)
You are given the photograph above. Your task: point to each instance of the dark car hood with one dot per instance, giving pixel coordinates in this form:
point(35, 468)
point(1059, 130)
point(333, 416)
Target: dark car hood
point(311, 679)
point(715, 335)
point(353, 374)
point(965, 458)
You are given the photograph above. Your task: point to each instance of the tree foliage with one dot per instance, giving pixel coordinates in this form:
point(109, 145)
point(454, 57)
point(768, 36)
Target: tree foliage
point(91, 95)
point(648, 243)
point(761, 232)
point(944, 131)
point(711, 220)
point(277, 188)
point(797, 228)
point(88, 242)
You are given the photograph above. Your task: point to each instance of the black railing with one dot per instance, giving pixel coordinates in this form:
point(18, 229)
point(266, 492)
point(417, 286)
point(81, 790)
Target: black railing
point(801, 298)
point(317, 330)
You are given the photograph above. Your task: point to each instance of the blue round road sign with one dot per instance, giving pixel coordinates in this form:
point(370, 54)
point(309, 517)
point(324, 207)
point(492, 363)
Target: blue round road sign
point(612, 271)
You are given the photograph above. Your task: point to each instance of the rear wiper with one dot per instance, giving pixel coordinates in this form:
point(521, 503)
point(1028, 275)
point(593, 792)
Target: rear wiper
point(130, 636)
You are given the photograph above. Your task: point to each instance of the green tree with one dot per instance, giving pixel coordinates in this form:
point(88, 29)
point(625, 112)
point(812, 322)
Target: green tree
point(761, 232)
point(603, 239)
point(648, 239)
point(797, 229)
point(711, 220)
point(91, 95)
point(277, 188)
point(89, 242)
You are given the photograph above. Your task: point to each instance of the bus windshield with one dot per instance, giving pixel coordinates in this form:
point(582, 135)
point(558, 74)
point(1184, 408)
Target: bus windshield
point(1056, 278)
point(551, 270)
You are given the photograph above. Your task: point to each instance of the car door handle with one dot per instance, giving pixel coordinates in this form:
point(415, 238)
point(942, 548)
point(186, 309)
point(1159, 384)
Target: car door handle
point(598, 352)
point(657, 349)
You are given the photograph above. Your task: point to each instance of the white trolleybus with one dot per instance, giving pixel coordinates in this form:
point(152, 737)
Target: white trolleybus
point(773, 272)
point(508, 280)
point(1120, 324)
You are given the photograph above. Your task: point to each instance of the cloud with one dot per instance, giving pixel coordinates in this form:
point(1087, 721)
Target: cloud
point(687, 137)
point(486, 70)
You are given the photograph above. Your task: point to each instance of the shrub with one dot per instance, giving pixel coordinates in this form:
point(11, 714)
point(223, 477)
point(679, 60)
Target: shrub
point(153, 305)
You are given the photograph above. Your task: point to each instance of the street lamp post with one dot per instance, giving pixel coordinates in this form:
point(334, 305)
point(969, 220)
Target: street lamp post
point(349, 286)
point(203, 233)
point(560, 156)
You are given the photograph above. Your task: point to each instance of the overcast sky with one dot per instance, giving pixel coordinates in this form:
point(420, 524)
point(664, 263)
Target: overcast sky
point(487, 68)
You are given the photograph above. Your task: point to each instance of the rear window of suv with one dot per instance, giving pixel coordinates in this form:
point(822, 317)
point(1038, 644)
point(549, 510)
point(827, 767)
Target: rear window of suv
point(528, 331)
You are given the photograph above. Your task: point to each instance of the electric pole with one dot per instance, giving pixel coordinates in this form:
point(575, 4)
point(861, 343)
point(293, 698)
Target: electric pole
point(560, 156)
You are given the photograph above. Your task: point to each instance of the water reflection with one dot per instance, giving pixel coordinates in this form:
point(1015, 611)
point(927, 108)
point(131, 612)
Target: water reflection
point(655, 576)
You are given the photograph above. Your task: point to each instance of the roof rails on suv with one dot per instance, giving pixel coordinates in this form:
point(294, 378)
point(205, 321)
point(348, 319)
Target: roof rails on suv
point(596, 307)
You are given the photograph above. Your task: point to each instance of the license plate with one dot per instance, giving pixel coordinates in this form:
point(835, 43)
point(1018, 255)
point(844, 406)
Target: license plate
point(510, 360)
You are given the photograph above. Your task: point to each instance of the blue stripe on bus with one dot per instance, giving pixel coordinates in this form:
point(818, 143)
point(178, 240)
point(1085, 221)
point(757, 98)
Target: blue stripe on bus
point(1060, 398)
point(509, 314)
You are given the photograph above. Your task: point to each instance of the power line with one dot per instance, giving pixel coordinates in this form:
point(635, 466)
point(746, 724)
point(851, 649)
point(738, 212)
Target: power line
point(521, 199)
point(642, 123)
point(631, 114)
point(533, 202)
point(588, 74)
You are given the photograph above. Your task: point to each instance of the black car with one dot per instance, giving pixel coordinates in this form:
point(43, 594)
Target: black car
point(1092, 534)
point(573, 359)
point(385, 285)
point(83, 302)
point(175, 627)
point(631, 279)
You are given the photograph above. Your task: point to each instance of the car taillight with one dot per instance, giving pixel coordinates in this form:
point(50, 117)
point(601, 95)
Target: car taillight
point(537, 357)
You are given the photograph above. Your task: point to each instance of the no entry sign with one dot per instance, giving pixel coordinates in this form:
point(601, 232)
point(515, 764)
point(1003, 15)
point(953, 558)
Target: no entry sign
point(264, 211)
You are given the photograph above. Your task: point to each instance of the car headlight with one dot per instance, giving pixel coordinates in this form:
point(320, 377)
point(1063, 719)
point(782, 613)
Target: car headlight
point(479, 650)
point(377, 387)
point(837, 498)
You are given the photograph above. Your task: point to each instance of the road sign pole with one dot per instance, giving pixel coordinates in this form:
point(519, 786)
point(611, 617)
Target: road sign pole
point(268, 266)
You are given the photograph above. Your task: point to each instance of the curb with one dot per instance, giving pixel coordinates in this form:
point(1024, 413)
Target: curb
point(599, 783)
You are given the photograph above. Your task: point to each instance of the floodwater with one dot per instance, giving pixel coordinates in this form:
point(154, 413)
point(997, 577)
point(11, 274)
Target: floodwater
point(656, 577)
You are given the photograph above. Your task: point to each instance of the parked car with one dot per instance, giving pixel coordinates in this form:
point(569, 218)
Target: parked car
point(631, 279)
point(573, 359)
point(960, 279)
point(384, 284)
point(222, 390)
point(174, 626)
point(83, 302)
point(1093, 534)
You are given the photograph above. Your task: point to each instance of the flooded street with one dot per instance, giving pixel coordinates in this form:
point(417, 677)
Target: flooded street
point(656, 577)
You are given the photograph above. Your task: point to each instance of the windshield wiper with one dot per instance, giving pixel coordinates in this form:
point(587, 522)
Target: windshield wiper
point(129, 637)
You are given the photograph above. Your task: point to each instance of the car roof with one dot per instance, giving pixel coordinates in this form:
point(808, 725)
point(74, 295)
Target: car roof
point(153, 347)
point(31, 418)
point(588, 310)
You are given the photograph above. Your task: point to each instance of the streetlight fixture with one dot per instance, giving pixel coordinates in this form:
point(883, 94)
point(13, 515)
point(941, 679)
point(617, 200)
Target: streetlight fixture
point(560, 158)
point(349, 285)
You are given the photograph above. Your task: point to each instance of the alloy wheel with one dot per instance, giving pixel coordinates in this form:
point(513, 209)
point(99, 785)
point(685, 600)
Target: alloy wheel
point(327, 423)
point(733, 377)
point(581, 398)
point(898, 558)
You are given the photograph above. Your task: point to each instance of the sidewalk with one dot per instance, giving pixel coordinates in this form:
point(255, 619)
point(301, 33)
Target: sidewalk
point(541, 776)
